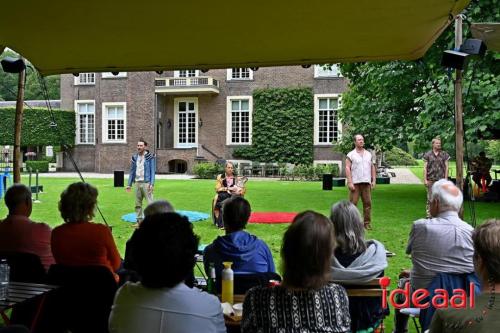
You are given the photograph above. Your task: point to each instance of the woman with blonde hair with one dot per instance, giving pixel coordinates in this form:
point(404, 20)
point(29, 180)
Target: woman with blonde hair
point(79, 241)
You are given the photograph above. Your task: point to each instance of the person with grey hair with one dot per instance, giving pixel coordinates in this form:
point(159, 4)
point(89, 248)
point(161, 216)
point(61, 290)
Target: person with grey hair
point(18, 233)
point(485, 315)
point(129, 266)
point(440, 244)
point(357, 261)
point(158, 207)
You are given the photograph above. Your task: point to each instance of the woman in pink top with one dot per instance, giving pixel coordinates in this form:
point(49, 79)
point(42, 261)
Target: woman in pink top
point(80, 242)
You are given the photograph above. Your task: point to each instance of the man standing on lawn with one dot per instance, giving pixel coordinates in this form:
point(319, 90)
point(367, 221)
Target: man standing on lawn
point(435, 168)
point(361, 177)
point(142, 172)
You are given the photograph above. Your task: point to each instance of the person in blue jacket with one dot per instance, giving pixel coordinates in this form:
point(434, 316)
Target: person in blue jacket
point(142, 172)
point(248, 254)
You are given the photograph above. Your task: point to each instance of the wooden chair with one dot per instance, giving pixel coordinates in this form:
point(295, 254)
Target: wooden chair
point(363, 297)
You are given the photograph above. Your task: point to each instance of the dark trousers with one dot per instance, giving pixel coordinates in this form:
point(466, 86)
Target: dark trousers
point(365, 191)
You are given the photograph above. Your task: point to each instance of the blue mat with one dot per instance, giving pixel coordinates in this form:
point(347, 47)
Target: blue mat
point(191, 215)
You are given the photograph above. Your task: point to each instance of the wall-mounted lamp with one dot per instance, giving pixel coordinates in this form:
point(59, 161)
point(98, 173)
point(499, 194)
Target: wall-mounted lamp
point(169, 123)
point(200, 122)
point(159, 72)
point(204, 70)
point(306, 66)
point(115, 73)
point(76, 74)
point(254, 68)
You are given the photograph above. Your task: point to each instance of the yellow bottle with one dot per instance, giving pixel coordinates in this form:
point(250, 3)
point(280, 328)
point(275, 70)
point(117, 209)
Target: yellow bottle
point(227, 283)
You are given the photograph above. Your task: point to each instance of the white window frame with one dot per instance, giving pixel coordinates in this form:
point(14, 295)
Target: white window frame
point(178, 73)
point(86, 82)
point(178, 144)
point(77, 138)
point(316, 119)
point(229, 120)
point(230, 75)
point(105, 122)
point(109, 75)
point(320, 73)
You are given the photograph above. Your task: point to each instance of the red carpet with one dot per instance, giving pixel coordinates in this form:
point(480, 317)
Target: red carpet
point(271, 217)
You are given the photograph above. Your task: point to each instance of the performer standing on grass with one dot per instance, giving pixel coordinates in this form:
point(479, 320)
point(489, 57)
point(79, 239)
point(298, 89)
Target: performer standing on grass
point(142, 172)
point(435, 168)
point(361, 177)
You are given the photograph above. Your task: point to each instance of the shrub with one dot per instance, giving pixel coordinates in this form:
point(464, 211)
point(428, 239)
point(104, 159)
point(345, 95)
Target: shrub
point(41, 166)
point(36, 127)
point(397, 156)
point(208, 170)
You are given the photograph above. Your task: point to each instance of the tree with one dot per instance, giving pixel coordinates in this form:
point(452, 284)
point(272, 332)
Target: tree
point(33, 90)
point(396, 101)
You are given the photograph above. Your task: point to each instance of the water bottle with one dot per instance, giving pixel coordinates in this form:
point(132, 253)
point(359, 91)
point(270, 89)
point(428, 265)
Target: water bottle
point(227, 283)
point(211, 279)
point(4, 279)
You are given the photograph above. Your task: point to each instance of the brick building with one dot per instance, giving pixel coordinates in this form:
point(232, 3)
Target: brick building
point(187, 116)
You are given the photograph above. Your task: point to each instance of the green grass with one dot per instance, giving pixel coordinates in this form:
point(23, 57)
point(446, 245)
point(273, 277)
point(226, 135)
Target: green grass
point(418, 170)
point(395, 207)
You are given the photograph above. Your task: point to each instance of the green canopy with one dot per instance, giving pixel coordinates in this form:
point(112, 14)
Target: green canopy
point(60, 36)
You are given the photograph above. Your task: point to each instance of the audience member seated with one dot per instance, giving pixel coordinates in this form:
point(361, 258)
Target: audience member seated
point(20, 234)
point(247, 253)
point(225, 186)
point(481, 166)
point(440, 244)
point(357, 261)
point(80, 242)
point(156, 207)
point(306, 301)
point(485, 316)
point(164, 251)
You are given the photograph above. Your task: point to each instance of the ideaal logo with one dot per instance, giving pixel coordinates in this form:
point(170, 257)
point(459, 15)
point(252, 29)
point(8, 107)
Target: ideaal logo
point(441, 298)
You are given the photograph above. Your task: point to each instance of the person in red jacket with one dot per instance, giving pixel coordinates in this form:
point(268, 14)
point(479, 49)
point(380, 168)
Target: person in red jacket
point(80, 242)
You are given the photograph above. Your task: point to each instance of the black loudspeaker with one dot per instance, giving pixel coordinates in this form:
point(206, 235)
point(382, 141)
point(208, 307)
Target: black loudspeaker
point(13, 65)
point(327, 182)
point(473, 47)
point(454, 59)
point(118, 178)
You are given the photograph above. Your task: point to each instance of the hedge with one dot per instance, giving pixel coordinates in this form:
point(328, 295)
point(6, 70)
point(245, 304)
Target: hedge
point(41, 166)
point(397, 156)
point(208, 170)
point(283, 125)
point(36, 129)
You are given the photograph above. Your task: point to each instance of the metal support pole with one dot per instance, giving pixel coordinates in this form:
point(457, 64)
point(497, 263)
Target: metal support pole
point(459, 126)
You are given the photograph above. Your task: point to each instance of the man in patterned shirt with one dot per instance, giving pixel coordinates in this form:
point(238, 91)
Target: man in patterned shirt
point(435, 168)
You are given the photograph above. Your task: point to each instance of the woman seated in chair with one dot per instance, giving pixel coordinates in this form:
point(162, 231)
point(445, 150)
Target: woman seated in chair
point(164, 249)
point(247, 253)
point(227, 185)
point(306, 301)
point(357, 261)
point(80, 242)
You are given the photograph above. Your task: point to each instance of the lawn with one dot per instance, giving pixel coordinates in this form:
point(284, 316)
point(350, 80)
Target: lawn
point(418, 170)
point(395, 207)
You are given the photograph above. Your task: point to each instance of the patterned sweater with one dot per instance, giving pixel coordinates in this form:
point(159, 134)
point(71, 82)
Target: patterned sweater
point(281, 310)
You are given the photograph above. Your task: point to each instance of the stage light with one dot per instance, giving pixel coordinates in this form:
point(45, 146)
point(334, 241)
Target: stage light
point(473, 47)
point(454, 59)
point(13, 65)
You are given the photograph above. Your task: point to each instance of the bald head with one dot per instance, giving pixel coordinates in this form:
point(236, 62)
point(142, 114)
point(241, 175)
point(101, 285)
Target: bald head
point(446, 196)
point(18, 200)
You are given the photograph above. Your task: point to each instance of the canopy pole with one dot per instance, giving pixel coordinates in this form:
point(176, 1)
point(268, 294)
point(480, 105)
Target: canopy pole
point(459, 126)
point(18, 160)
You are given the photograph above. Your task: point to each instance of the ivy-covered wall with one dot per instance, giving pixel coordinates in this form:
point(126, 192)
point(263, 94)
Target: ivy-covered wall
point(36, 130)
point(283, 125)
